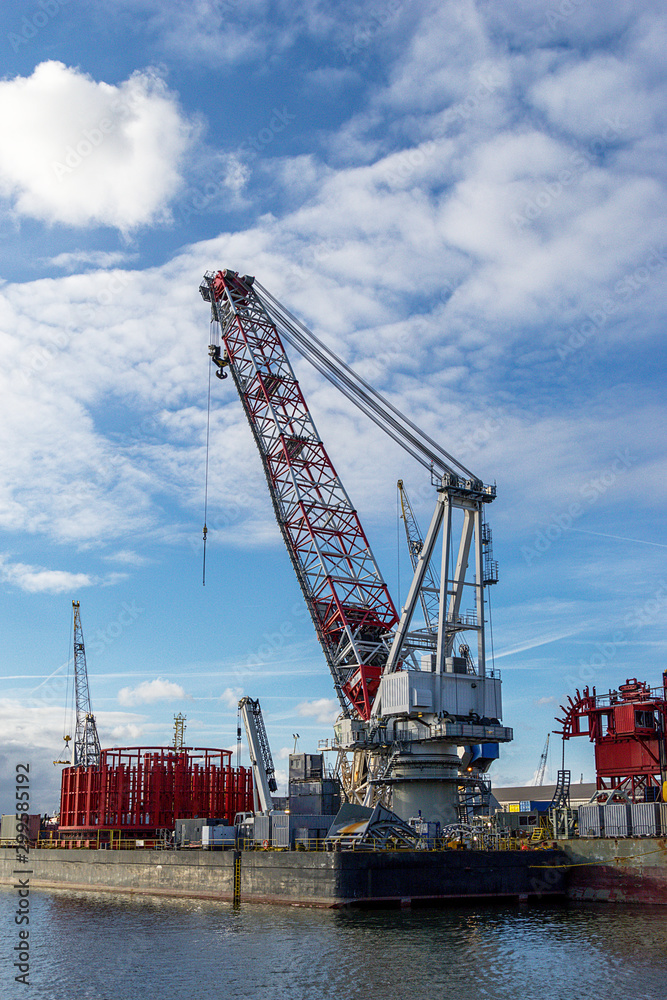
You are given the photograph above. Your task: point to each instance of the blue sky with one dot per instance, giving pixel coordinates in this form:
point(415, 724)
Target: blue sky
point(465, 200)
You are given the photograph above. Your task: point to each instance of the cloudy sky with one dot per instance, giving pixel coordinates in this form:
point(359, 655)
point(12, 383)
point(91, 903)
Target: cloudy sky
point(465, 200)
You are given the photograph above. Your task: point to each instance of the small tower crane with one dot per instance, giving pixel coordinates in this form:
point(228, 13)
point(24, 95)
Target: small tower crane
point(86, 740)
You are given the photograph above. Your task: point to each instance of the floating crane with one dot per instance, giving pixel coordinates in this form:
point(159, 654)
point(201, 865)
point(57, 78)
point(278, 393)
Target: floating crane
point(86, 740)
point(407, 702)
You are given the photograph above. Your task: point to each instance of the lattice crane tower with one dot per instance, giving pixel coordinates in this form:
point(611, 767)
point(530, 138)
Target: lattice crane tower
point(86, 740)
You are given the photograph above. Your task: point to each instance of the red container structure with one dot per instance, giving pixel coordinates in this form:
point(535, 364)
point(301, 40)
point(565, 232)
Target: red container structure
point(141, 791)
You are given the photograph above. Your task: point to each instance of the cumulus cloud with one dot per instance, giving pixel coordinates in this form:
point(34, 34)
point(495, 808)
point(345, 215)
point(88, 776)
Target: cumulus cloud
point(82, 152)
point(149, 692)
point(35, 580)
point(323, 710)
point(126, 732)
point(230, 696)
point(78, 259)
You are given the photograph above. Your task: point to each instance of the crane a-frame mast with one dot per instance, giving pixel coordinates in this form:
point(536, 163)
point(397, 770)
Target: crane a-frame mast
point(344, 590)
point(86, 740)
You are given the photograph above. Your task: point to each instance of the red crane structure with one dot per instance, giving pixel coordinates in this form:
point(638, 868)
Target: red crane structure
point(628, 728)
point(347, 598)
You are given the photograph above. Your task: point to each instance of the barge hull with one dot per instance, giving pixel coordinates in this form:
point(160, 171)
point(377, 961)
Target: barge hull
point(623, 870)
point(302, 878)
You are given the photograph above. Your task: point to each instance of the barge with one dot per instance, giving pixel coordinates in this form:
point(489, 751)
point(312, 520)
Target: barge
point(331, 879)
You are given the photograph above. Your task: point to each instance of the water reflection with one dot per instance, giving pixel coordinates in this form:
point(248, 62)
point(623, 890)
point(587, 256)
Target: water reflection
point(114, 947)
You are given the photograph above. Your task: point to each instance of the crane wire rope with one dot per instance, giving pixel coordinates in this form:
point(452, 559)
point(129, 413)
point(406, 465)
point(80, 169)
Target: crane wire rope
point(398, 546)
point(383, 413)
point(208, 435)
point(67, 695)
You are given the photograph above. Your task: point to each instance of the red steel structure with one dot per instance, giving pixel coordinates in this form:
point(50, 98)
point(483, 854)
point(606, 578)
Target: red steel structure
point(138, 791)
point(628, 728)
point(343, 587)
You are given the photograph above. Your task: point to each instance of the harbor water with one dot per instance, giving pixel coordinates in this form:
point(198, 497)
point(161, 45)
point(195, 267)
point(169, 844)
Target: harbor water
point(89, 946)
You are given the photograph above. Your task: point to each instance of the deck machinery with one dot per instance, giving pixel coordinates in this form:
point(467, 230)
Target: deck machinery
point(628, 728)
point(408, 699)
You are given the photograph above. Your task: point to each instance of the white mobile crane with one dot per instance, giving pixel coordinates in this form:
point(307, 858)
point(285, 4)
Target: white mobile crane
point(263, 771)
point(407, 701)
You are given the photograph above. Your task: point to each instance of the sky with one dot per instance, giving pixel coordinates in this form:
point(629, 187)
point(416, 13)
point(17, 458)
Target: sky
point(465, 200)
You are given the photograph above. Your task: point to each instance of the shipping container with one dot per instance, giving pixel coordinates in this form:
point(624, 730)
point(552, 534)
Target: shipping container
point(663, 819)
point(591, 822)
point(645, 819)
point(220, 836)
point(262, 829)
point(29, 827)
point(617, 820)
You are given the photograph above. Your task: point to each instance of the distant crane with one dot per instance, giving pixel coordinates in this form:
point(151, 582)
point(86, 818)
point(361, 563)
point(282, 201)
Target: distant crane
point(263, 771)
point(179, 731)
point(86, 741)
point(541, 768)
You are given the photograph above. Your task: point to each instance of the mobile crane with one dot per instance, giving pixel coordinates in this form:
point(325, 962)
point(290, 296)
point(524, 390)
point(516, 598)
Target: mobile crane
point(407, 701)
point(263, 771)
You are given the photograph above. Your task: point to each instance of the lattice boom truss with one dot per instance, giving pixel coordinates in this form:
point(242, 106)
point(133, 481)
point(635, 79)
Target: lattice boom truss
point(344, 590)
point(145, 789)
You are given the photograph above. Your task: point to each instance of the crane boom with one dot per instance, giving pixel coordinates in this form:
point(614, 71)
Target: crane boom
point(86, 741)
point(542, 766)
point(344, 590)
point(264, 773)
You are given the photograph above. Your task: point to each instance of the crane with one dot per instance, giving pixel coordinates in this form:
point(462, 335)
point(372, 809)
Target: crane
point(86, 740)
point(406, 700)
point(264, 773)
point(541, 768)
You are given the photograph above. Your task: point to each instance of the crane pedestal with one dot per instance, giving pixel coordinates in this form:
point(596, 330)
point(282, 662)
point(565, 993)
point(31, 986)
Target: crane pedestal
point(425, 783)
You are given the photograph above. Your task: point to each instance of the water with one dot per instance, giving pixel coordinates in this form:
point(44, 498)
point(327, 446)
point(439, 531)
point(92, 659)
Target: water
point(91, 946)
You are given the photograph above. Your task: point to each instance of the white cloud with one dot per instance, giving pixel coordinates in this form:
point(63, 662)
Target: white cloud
point(90, 258)
point(84, 153)
point(128, 557)
point(323, 710)
point(150, 691)
point(231, 696)
point(125, 732)
point(35, 580)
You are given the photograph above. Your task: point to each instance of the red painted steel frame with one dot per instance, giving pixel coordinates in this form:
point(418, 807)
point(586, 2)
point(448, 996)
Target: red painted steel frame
point(347, 598)
point(628, 729)
point(139, 790)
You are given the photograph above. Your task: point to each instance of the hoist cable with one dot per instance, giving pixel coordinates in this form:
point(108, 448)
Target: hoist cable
point(208, 434)
point(358, 390)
